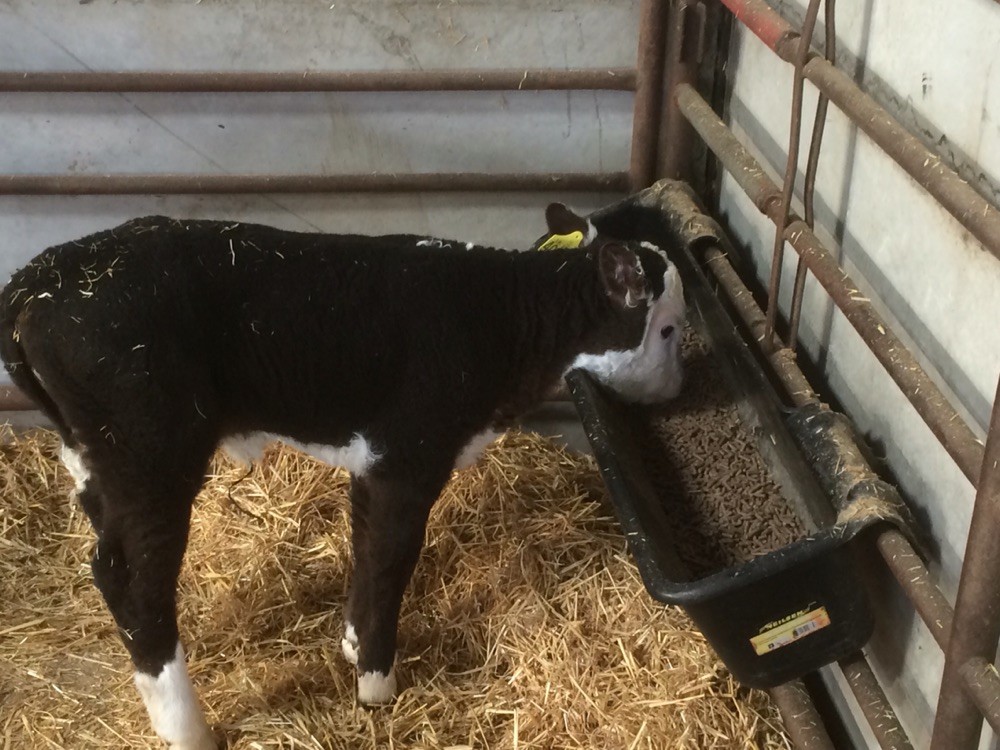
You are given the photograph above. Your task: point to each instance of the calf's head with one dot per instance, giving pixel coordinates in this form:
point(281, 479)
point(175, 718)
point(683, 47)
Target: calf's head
point(565, 230)
point(638, 353)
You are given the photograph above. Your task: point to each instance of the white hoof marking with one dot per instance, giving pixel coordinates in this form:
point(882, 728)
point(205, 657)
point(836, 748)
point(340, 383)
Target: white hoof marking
point(349, 644)
point(377, 688)
point(173, 706)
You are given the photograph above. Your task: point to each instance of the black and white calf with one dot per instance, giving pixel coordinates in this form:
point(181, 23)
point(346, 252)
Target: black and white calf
point(151, 344)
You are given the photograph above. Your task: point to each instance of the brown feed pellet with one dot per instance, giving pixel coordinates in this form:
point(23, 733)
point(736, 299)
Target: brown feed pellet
point(722, 503)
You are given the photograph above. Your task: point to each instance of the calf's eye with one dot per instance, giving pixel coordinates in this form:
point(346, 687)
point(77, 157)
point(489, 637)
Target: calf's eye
point(667, 331)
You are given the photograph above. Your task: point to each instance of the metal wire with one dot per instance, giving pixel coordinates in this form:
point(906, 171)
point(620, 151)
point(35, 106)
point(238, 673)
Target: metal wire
point(809, 189)
point(791, 165)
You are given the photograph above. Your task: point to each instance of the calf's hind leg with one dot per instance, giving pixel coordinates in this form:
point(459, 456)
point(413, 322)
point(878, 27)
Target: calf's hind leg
point(141, 542)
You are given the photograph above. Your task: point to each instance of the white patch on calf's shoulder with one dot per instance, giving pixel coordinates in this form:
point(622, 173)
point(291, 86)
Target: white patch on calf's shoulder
point(247, 448)
point(377, 688)
point(73, 461)
point(591, 233)
point(173, 706)
point(357, 456)
point(474, 448)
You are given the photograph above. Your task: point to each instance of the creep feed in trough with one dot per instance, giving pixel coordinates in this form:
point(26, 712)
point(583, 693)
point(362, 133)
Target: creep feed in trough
point(727, 496)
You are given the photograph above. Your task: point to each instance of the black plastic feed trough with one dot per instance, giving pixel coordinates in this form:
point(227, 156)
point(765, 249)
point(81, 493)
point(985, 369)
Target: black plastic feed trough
point(782, 614)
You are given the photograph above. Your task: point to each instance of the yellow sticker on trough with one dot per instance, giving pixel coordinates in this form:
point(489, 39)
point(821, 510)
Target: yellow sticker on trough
point(563, 241)
point(789, 629)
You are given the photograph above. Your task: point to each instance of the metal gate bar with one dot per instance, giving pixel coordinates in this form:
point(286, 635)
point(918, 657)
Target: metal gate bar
point(151, 81)
point(983, 685)
point(888, 731)
point(803, 722)
point(177, 184)
point(648, 93)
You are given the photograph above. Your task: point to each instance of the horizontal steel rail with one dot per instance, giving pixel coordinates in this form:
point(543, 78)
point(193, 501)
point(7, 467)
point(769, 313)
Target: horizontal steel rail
point(13, 399)
point(176, 184)
point(800, 717)
point(874, 705)
point(88, 81)
point(913, 577)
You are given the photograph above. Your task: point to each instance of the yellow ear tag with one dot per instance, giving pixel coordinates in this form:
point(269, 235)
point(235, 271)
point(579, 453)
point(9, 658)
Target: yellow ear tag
point(569, 241)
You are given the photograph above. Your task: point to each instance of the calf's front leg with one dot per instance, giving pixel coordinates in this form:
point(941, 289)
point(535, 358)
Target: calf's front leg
point(389, 518)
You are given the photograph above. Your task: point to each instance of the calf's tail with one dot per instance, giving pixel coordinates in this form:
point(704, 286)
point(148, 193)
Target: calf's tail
point(17, 365)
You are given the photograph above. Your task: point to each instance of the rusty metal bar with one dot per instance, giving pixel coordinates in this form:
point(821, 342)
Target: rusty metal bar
point(976, 627)
point(801, 719)
point(947, 425)
point(737, 160)
point(791, 167)
point(648, 93)
point(739, 295)
point(621, 79)
point(686, 29)
point(915, 580)
point(782, 360)
point(13, 399)
point(960, 199)
point(980, 217)
point(133, 184)
point(983, 686)
point(812, 167)
point(903, 562)
point(881, 718)
point(761, 19)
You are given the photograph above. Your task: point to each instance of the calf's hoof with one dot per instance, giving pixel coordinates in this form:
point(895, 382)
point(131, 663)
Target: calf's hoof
point(205, 741)
point(376, 688)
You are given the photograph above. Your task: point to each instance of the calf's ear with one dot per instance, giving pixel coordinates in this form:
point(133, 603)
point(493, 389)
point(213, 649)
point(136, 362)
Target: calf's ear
point(622, 275)
point(561, 220)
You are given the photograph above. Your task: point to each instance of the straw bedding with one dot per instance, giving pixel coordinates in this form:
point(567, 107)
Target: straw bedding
point(526, 625)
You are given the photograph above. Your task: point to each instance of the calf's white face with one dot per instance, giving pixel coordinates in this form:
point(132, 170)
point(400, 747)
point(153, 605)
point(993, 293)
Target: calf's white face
point(650, 372)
